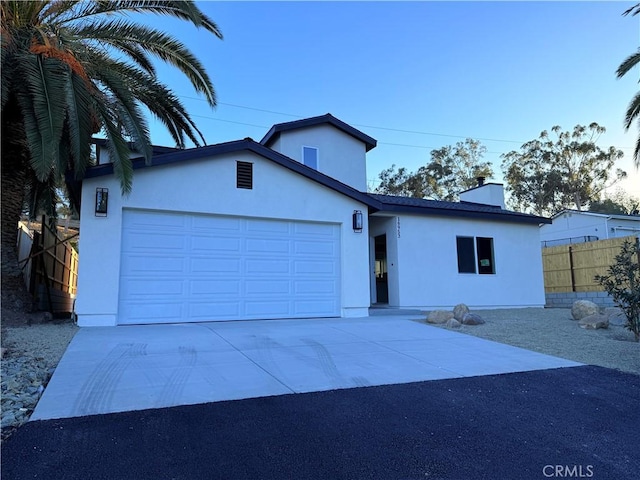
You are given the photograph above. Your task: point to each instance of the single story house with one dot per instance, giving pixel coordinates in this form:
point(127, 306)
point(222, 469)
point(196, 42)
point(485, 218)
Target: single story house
point(574, 226)
point(284, 228)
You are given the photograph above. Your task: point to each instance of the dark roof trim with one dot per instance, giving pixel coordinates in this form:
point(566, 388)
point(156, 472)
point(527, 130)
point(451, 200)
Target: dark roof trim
point(239, 146)
point(157, 149)
point(273, 134)
point(478, 211)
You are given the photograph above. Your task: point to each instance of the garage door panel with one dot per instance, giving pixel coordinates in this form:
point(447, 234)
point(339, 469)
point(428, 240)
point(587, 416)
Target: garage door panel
point(214, 287)
point(215, 224)
point(204, 311)
point(133, 264)
point(159, 242)
point(307, 267)
point(215, 265)
point(160, 288)
point(312, 287)
point(262, 246)
point(313, 308)
point(267, 267)
point(318, 248)
point(203, 268)
point(215, 244)
point(157, 221)
point(268, 308)
point(267, 227)
point(314, 229)
point(267, 287)
point(152, 312)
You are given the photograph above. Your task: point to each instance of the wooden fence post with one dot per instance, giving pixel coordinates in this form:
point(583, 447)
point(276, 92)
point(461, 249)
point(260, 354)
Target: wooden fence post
point(573, 277)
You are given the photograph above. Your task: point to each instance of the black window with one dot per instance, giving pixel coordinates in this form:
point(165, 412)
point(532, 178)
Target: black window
point(466, 255)
point(485, 255)
point(244, 175)
point(475, 253)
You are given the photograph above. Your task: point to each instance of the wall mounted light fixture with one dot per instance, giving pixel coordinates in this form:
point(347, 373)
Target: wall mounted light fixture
point(102, 201)
point(358, 221)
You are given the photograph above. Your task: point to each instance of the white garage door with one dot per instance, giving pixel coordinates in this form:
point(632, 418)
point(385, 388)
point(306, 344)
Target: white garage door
point(192, 268)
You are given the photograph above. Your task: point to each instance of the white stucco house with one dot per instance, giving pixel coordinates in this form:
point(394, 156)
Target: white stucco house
point(284, 228)
point(573, 226)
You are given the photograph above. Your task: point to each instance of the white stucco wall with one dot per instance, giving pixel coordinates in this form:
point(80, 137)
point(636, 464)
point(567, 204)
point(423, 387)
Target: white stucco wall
point(427, 264)
point(489, 194)
point(575, 224)
point(210, 187)
point(339, 155)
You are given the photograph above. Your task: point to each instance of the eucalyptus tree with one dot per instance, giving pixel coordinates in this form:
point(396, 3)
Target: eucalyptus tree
point(71, 69)
point(451, 170)
point(561, 169)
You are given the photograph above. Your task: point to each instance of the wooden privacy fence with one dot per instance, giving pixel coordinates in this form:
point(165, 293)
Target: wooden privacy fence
point(50, 268)
point(572, 268)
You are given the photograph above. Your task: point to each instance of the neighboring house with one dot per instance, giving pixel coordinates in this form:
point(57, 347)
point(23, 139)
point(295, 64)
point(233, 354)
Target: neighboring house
point(573, 226)
point(283, 228)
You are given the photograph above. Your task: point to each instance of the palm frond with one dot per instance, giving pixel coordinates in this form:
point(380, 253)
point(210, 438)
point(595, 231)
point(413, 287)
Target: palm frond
point(633, 111)
point(117, 146)
point(45, 80)
point(122, 35)
point(629, 62)
point(159, 99)
point(184, 10)
point(79, 115)
point(126, 109)
point(635, 10)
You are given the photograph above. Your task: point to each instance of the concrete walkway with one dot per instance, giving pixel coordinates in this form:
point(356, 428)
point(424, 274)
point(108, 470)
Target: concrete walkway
point(116, 369)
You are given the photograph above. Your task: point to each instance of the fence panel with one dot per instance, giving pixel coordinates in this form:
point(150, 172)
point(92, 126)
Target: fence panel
point(572, 268)
point(52, 268)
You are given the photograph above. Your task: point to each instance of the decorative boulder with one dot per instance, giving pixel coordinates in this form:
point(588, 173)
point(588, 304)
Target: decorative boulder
point(439, 316)
point(616, 316)
point(453, 323)
point(583, 308)
point(459, 311)
point(472, 319)
point(592, 322)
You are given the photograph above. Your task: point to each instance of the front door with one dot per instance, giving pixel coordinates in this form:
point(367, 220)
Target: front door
point(382, 286)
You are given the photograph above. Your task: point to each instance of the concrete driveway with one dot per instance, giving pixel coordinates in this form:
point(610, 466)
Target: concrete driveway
point(117, 369)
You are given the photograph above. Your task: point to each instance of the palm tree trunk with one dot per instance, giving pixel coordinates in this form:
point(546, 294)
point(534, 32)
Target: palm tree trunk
point(13, 176)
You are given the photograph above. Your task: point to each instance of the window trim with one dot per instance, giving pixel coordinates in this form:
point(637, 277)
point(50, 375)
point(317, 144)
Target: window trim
point(317, 167)
point(478, 268)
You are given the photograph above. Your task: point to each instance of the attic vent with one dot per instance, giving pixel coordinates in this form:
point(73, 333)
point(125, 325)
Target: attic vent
point(244, 175)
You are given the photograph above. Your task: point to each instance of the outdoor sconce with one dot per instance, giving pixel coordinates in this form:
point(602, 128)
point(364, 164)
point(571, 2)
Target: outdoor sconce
point(357, 221)
point(102, 200)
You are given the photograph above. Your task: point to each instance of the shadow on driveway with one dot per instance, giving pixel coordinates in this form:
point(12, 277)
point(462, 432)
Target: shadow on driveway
point(583, 420)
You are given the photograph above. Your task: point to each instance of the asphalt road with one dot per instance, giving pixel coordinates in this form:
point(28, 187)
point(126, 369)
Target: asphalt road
point(580, 422)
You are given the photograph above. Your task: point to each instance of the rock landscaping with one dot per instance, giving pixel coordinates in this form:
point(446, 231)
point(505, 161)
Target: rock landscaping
point(583, 308)
point(592, 322)
point(461, 315)
point(439, 316)
point(32, 345)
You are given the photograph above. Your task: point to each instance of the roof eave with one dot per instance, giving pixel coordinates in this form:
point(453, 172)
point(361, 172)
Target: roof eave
point(496, 216)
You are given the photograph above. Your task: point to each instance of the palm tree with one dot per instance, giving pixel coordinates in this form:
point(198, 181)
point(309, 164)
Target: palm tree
point(633, 110)
point(71, 69)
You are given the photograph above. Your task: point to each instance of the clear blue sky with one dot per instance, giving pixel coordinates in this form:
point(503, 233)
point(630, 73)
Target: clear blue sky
point(497, 71)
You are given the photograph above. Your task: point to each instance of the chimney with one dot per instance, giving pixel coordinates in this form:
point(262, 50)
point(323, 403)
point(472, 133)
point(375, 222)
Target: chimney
point(485, 193)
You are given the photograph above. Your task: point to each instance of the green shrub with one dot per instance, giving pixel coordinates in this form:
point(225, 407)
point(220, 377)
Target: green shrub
point(623, 284)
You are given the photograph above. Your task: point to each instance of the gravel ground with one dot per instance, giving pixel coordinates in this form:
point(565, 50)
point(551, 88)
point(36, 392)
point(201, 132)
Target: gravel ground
point(31, 352)
point(34, 345)
point(554, 332)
